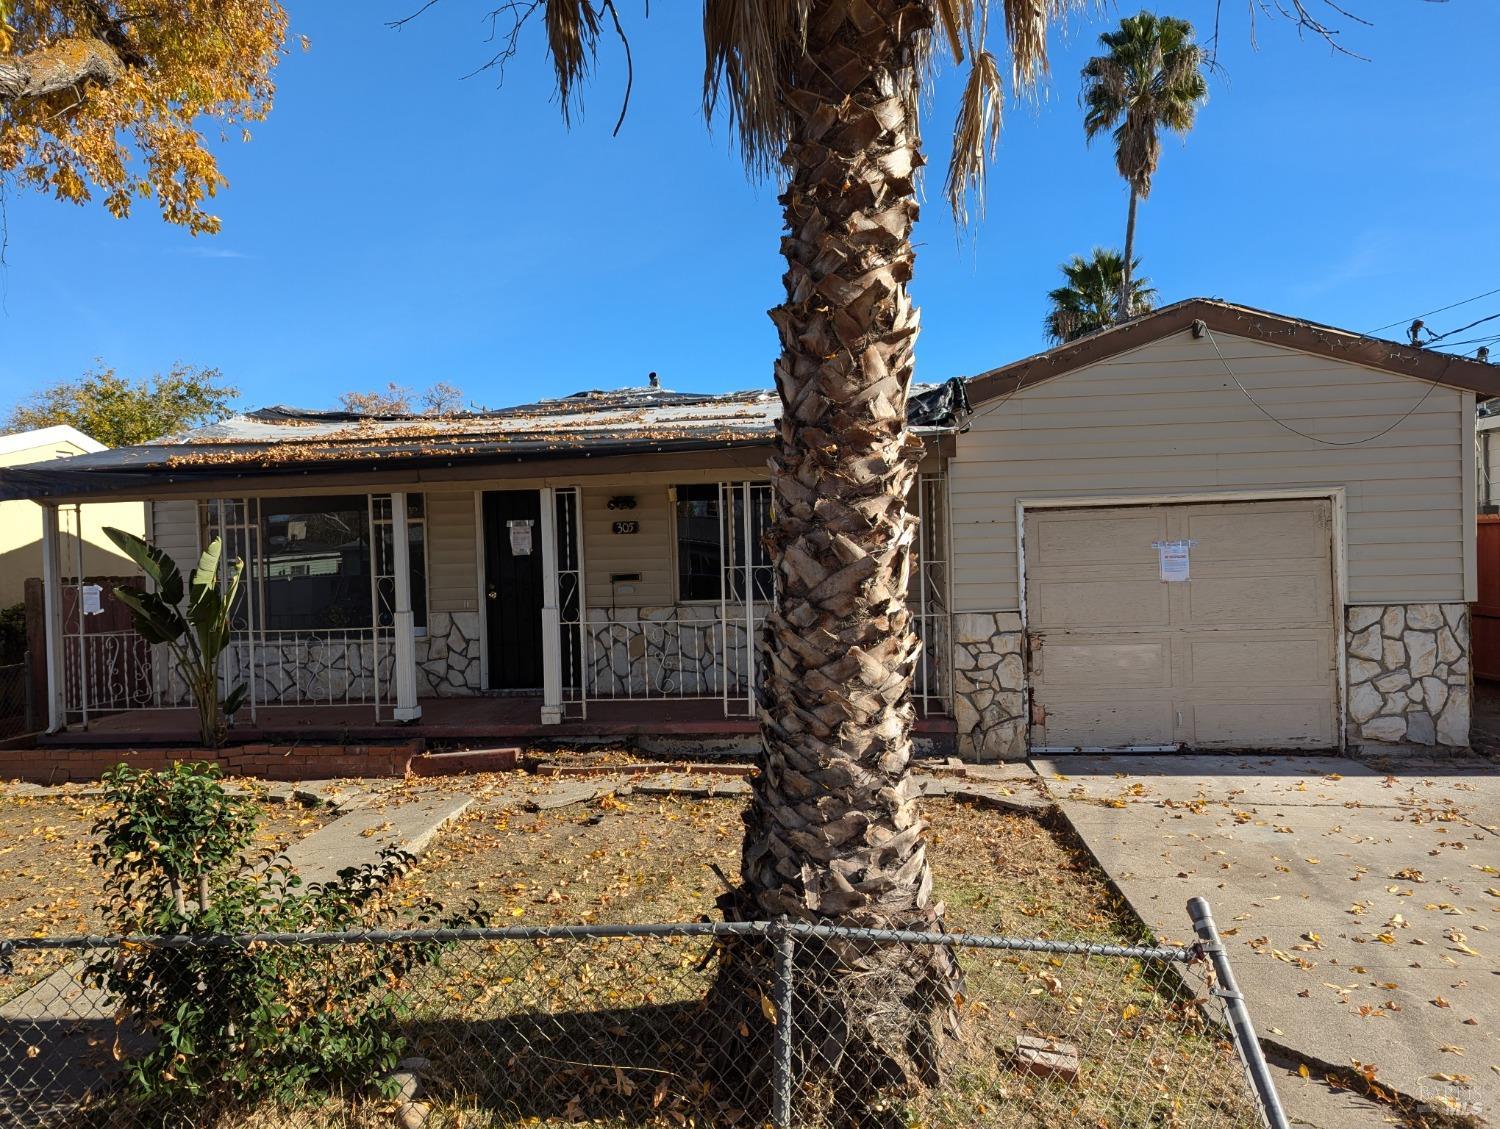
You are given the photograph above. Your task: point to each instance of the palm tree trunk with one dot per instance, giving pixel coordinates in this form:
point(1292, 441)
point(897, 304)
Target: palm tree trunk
point(1123, 311)
point(832, 831)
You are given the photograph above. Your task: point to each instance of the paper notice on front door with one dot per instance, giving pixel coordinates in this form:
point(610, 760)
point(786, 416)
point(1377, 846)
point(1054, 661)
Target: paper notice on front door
point(520, 538)
point(1173, 558)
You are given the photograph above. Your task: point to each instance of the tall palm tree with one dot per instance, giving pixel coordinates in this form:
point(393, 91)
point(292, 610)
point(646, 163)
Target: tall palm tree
point(1150, 77)
point(825, 94)
point(1090, 298)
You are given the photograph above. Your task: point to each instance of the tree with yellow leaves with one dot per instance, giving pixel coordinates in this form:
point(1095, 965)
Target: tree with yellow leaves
point(111, 98)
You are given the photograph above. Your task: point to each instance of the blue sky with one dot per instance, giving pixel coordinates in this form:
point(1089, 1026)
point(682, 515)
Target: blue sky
point(394, 220)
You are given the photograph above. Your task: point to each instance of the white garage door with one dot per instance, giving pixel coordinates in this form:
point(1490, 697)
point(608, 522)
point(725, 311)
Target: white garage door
point(1242, 654)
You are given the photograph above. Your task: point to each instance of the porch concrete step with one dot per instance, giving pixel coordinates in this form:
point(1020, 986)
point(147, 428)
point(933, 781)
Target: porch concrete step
point(463, 761)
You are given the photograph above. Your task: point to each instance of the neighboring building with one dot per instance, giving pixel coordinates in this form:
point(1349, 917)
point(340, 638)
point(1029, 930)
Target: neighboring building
point(21, 521)
point(1209, 527)
point(1487, 463)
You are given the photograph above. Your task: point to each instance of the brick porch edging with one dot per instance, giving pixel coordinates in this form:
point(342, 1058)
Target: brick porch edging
point(281, 761)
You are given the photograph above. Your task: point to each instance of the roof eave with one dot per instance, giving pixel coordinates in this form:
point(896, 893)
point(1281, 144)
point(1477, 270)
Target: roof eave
point(1244, 321)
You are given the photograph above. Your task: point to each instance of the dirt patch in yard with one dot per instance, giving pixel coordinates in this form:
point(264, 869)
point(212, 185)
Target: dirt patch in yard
point(574, 1016)
point(636, 859)
point(48, 885)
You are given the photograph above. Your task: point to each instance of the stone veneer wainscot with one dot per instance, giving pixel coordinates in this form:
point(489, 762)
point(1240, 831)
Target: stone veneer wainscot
point(1410, 680)
point(989, 685)
point(448, 657)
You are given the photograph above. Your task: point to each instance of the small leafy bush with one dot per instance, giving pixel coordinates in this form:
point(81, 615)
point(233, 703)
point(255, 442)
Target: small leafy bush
point(221, 1021)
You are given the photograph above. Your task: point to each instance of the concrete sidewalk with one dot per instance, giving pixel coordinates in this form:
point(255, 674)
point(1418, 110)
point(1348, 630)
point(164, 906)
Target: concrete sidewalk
point(1358, 903)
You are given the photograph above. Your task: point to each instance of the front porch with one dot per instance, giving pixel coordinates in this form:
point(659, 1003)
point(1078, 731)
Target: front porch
point(606, 607)
point(443, 721)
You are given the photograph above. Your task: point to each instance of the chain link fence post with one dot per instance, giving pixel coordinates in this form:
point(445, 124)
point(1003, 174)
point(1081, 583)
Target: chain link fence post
point(786, 951)
point(1240, 1027)
point(26, 704)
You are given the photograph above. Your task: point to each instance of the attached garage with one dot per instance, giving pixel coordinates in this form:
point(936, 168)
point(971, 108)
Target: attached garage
point(1215, 527)
point(1240, 652)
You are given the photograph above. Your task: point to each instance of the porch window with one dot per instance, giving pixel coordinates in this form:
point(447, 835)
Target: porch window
point(319, 560)
point(713, 542)
point(700, 555)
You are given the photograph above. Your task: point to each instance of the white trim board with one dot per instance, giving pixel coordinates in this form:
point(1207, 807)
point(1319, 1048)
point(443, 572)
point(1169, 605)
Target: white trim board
point(1468, 445)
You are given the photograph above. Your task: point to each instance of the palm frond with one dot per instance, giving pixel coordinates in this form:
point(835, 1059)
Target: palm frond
point(753, 49)
point(1089, 299)
point(750, 50)
point(955, 18)
point(572, 37)
point(976, 134)
point(1026, 24)
point(1150, 75)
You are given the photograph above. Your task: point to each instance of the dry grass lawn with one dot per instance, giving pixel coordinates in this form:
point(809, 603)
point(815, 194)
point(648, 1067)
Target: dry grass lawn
point(615, 1032)
point(48, 886)
point(1146, 1058)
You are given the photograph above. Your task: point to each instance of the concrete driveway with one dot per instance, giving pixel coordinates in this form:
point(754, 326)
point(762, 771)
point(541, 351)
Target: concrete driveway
point(1360, 903)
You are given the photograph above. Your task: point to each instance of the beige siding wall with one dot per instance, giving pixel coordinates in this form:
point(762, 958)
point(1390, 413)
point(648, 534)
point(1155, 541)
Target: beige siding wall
point(1167, 419)
point(452, 555)
point(174, 528)
point(651, 552)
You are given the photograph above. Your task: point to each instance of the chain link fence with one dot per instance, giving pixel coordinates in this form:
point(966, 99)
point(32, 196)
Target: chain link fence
point(618, 1026)
point(15, 699)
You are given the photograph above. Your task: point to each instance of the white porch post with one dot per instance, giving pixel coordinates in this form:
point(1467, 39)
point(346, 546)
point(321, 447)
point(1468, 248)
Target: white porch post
point(551, 619)
point(405, 624)
point(57, 701)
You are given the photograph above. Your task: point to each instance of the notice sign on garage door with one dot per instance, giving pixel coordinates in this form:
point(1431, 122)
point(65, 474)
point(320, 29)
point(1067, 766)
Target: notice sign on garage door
point(1173, 556)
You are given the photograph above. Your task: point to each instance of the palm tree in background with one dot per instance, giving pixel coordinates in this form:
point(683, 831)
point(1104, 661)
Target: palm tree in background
point(824, 94)
point(1150, 77)
point(1090, 298)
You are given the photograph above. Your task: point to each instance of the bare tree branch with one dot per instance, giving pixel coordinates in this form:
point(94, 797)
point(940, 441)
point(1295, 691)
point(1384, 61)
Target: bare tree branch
point(609, 6)
point(397, 25)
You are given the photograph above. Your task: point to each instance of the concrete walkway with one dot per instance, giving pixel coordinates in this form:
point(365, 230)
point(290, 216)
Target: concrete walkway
point(1361, 904)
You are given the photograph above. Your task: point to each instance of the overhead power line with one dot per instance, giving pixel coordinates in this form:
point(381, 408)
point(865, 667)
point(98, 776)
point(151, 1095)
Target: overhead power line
point(1314, 438)
point(1470, 341)
point(1439, 310)
point(1460, 329)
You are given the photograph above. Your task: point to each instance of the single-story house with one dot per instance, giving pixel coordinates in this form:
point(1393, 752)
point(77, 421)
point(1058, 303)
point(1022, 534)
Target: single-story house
point(21, 521)
point(1209, 527)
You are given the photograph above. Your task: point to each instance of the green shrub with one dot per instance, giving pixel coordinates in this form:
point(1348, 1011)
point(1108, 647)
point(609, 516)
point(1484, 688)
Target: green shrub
point(239, 1023)
point(195, 621)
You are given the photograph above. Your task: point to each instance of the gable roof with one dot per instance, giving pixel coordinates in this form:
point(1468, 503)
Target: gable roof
point(43, 436)
point(1242, 321)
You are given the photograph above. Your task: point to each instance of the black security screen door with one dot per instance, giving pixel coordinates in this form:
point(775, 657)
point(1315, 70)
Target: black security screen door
point(513, 588)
